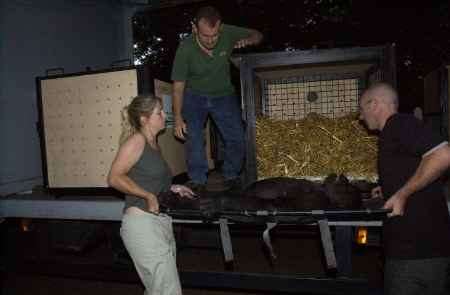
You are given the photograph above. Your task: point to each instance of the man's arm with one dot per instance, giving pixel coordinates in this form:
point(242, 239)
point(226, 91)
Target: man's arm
point(254, 38)
point(432, 166)
point(177, 105)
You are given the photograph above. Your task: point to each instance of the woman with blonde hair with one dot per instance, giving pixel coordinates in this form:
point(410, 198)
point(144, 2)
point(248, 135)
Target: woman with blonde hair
point(141, 173)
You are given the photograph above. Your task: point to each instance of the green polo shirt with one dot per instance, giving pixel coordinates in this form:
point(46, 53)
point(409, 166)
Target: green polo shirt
point(204, 74)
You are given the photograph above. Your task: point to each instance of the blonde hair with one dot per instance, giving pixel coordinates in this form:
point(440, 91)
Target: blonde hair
point(141, 105)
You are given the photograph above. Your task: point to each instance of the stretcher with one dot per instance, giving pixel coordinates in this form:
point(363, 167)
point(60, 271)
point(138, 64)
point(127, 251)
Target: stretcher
point(109, 208)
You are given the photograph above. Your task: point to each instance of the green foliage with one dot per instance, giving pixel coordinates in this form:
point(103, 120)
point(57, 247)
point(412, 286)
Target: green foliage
point(419, 30)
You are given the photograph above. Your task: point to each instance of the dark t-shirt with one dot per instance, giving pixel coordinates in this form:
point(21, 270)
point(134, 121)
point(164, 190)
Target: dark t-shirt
point(424, 230)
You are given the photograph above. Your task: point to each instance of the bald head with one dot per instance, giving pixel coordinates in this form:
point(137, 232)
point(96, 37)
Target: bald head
point(383, 93)
point(377, 104)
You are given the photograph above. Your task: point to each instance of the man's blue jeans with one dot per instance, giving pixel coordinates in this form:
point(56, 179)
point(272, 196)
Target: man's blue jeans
point(226, 113)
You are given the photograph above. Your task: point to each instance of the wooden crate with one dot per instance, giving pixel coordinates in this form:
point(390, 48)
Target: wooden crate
point(81, 117)
point(82, 123)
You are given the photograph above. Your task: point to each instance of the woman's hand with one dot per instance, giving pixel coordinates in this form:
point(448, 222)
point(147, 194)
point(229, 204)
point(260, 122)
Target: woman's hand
point(182, 191)
point(152, 204)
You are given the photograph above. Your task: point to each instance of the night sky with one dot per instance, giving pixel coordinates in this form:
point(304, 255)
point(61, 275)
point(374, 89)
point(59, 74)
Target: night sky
point(420, 32)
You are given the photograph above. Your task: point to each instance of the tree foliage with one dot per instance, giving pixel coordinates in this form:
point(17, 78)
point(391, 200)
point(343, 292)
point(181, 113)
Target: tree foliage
point(419, 30)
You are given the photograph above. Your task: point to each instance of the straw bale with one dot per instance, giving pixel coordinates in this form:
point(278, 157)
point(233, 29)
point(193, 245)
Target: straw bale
point(315, 147)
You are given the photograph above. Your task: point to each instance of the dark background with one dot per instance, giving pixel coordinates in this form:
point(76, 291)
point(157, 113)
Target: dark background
point(420, 32)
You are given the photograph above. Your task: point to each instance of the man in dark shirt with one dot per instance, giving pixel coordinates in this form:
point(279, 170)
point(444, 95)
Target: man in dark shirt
point(411, 159)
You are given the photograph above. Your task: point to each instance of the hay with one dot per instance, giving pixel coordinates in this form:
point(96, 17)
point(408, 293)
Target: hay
point(315, 147)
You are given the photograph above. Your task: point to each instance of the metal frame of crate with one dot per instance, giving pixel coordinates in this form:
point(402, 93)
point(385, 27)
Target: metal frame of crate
point(317, 69)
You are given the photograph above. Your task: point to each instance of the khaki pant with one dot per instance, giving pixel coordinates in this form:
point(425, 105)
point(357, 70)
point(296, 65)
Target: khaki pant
point(150, 242)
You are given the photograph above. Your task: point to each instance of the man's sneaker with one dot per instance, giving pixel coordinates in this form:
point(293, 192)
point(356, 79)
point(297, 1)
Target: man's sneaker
point(233, 184)
point(197, 188)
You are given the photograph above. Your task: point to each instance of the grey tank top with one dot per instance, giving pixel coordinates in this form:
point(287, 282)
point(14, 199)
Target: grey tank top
point(150, 172)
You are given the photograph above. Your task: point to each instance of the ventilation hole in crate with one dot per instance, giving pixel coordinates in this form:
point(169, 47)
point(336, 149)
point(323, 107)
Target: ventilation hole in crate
point(312, 96)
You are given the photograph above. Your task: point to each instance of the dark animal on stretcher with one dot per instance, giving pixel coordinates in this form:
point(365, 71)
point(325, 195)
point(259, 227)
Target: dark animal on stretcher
point(341, 193)
point(279, 193)
point(336, 192)
point(286, 193)
point(207, 205)
point(350, 195)
point(365, 189)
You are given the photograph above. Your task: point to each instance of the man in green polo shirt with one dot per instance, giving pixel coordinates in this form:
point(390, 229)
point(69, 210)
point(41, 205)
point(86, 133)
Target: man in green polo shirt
point(202, 86)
